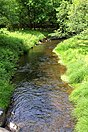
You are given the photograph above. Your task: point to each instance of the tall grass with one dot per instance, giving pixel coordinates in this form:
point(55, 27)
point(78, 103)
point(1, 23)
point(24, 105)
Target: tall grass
point(12, 45)
point(74, 54)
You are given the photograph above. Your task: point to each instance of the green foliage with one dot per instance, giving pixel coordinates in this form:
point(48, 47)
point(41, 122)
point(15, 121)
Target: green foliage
point(24, 14)
point(6, 90)
point(74, 54)
point(78, 16)
point(9, 13)
point(66, 16)
point(62, 17)
point(72, 18)
point(82, 125)
point(12, 45)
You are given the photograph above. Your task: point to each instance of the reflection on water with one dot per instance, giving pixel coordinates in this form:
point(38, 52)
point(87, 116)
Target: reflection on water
point(40, 101)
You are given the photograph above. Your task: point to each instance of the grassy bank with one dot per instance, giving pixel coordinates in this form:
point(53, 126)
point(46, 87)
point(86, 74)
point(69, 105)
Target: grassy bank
point(12, 45)
point(74, 54)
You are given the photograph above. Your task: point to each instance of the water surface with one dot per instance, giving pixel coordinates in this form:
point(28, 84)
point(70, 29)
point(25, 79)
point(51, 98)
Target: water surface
point(40, 101)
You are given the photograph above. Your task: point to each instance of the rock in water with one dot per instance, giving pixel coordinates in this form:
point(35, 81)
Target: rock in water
point(13, 127)
point(3, 130)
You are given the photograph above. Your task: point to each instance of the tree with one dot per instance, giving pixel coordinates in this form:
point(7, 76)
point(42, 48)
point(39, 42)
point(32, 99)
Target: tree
point(8, 13)
point(62, 18)
point(37, 13)
point(78, 16)
point(72, 17)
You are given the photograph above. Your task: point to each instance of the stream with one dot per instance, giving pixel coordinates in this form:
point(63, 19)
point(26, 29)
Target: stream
point(40, 101)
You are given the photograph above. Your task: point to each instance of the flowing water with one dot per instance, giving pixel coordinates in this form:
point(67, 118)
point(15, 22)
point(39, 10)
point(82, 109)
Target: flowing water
point(40, 101)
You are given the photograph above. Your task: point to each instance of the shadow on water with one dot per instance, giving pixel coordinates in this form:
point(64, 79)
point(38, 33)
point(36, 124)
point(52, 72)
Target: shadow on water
point(40, 101)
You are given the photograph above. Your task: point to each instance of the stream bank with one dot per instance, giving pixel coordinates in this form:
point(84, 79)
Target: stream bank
point(74, 55)
point(13, 44)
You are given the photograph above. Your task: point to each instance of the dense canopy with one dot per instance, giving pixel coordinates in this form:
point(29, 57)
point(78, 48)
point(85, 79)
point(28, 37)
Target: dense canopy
point(68, 16)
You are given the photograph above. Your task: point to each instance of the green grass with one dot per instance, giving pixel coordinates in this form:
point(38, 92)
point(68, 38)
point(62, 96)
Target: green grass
point(74, 54)
point(12, 46)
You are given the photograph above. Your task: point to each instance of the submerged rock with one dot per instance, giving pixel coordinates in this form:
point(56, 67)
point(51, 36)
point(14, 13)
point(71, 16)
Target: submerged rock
point(2, 116)
point(13, 127)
